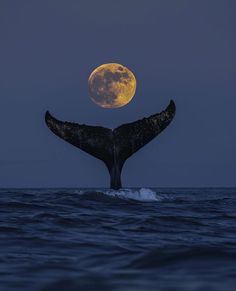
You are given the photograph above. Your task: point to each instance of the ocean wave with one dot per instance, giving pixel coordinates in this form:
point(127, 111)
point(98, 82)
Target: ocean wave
point(198, 255)
point(142, 195)
point(130, 239)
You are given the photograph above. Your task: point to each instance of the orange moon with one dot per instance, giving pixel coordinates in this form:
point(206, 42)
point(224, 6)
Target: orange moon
point(111, 85)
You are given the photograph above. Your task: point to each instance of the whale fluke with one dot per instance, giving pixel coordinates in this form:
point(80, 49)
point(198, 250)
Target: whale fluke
point(113, 147)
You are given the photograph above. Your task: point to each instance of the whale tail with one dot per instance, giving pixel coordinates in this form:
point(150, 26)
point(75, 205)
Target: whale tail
point(113, 147)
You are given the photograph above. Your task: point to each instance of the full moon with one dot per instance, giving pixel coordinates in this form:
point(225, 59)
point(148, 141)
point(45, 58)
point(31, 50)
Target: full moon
point(111, 85)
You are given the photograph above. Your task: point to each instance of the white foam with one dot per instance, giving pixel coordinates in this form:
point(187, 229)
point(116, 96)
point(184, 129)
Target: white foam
point(143, 194)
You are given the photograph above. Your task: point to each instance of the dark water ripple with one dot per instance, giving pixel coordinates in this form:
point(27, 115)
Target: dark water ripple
point(132, 239)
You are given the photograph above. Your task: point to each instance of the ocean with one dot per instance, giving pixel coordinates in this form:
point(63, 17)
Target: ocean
point(127, 240)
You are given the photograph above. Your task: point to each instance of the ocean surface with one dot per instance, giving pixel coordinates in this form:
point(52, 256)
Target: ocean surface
point(129, 240)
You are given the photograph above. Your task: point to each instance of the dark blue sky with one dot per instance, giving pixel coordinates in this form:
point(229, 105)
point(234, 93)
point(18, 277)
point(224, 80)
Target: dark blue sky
point(185, 50)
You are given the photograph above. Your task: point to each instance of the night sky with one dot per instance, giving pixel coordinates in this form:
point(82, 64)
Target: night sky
point(182, 50)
